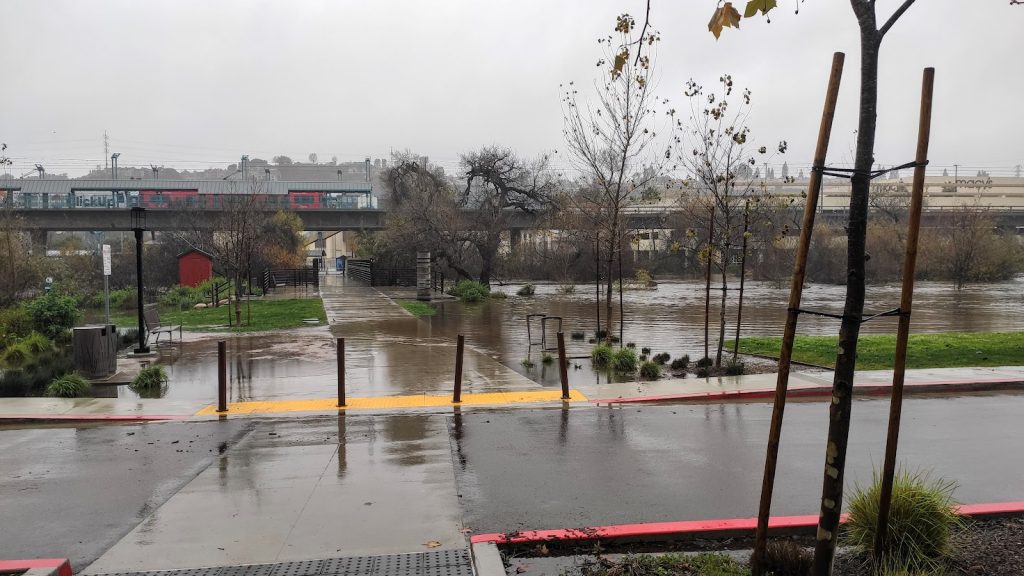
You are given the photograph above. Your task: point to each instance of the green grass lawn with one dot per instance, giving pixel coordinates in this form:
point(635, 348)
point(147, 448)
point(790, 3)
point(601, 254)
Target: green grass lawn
point(266, 315)
point(876, 352)
point(417, 308)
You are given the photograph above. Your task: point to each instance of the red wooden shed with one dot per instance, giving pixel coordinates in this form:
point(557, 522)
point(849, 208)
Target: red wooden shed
point(194, 267)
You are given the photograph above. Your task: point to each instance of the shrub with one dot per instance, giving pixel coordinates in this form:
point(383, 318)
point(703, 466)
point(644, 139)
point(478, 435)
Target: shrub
point(734, 369)
point(15, 323)
point(52, 314)
point(16, 356)
point(577, 335)
point(181, 297)
point(547, 358)
point(645, 351)
point(680, 363)
point(601, 334)
point(787, 558)
point(469, 291)
point(151, 382)
point(703, 372)
point(591, 341)
point(527, 363)
point(662, 358)
point(526, 290)
point(613, 339)
point(625, 360)
point(36, 344)
point(567, 289)
point(497, 294)
point(601, 356)
point(128, 336)
point(630, 344)
point(72, 385)
point(704, 362)
point(703, 564)
point(14, 383)
point(650, 370)
point(922, 520)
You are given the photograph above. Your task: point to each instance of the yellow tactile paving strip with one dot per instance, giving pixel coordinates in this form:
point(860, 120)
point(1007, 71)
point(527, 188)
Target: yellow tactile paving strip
point(390, 402)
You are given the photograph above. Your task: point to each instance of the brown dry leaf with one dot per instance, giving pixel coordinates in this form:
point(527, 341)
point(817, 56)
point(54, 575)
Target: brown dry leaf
point(433, 544)
point(725, 16)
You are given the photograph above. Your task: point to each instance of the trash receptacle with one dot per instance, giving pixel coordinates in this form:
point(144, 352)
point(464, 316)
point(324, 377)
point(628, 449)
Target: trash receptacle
point(95, 350)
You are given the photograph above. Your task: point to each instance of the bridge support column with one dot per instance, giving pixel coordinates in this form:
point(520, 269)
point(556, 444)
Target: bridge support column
point(39, 241)
point(423, 276)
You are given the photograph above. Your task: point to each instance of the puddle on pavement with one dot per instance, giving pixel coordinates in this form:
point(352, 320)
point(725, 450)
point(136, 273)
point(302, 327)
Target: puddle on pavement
point(405, 355)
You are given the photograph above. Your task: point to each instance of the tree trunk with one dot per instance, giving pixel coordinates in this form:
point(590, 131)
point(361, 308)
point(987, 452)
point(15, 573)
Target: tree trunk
point(612, 248)
point(238, 299)
point(846, 356)
point(721, 311)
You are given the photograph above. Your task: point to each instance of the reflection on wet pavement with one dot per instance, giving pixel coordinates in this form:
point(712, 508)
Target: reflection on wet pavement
point(306, 489)
point(390, 352)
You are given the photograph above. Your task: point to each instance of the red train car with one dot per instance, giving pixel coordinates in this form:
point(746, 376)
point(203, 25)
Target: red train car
point(306, 199)
point(169, 198)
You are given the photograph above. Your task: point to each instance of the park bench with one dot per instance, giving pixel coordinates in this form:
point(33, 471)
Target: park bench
point(151, 314)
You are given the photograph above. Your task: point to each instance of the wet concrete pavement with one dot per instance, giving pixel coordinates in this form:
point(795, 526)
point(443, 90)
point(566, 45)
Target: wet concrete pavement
point(552, 468)
point(302, 489)
point(73, 492)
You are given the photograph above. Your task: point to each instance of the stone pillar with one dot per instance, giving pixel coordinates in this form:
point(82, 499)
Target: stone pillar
point(423, 276)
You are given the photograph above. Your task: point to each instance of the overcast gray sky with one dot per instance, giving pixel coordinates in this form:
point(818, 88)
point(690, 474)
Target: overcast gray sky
point(197, 83)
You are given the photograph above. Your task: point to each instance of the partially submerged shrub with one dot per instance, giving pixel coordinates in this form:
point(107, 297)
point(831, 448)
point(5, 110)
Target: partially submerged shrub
point(662, 358)
point(72, 385)
point(650, 370)
point(527, 363)
point(625, 360)
point(601, 334)
point(787, 558)
point(705, 361)
point(703, 372)
point(526, 290)
point(922, 520)
point(497, 294)
point(630, 344)
point(680, 363)
point(577, 335)
point(470, 291)
point(601, 356)
point(645, 351)
point(150, 377)
point(567, 289)
point(734, 369)
point(547, 358)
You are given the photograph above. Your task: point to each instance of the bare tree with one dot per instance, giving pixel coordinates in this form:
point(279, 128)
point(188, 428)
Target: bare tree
point(20, 269)
point(610, 141)
point(722, 185)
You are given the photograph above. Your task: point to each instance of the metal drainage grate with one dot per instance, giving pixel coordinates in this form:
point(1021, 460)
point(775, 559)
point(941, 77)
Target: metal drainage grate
point(434, 563)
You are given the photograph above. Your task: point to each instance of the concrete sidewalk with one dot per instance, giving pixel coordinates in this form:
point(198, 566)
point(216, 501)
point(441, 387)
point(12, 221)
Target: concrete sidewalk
point(757, 387)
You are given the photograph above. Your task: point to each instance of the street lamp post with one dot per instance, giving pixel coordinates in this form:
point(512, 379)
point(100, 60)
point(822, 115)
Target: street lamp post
point(138, 226)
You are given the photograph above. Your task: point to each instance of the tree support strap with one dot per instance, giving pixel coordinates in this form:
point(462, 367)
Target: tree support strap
point(861, 319)
point(871, 175)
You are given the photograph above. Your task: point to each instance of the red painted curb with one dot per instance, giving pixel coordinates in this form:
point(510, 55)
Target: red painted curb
point(815, 392)
point(91, 417)
point(696, 527)
point(62, 566)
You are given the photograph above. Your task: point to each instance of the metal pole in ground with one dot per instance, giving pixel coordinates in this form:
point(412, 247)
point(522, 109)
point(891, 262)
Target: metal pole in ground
point(789, 332)
point(341, 372)
point(222, 377)
point(457, 396)
point(906, 301)
point(563, 370)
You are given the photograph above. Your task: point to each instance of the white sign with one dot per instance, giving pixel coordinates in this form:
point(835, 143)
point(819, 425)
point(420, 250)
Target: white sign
point(106, 259)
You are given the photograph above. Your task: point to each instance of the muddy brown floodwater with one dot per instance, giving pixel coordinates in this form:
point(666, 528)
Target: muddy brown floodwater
point(404, 355)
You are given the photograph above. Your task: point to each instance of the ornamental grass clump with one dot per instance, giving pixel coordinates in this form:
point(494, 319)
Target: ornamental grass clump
point(601, 356)
point(71, 385)
point(650, 370)
point(922, 521)
point(625, 361)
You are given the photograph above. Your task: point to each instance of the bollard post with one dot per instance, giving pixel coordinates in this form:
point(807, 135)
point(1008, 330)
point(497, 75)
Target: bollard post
point(222, 377)
point(341, 372)
point(563, 370)
point(457, 396)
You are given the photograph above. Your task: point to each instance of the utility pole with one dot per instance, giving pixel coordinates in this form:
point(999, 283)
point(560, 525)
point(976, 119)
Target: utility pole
point(156, 171)
point(106, 149)
point(113, 165)
point(956, 171)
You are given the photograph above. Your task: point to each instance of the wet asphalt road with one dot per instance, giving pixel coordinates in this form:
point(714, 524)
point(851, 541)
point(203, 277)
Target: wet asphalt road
point(74, 492)
point(539, 469)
